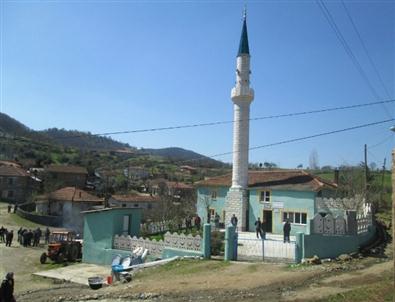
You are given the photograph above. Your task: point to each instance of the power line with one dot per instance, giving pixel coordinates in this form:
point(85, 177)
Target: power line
point(292, 140)
point(381, 142)
point(366, 50)
point(229, 122)
point(346, 47)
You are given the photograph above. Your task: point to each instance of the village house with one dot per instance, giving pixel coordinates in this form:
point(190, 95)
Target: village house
point(15, 183)
point(136, 200)
point(68, 203)
point(170, 188)
point(273, 196)
point(67, 175)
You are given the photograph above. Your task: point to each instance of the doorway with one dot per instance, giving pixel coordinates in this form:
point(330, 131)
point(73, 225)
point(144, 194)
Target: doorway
point(267, 220)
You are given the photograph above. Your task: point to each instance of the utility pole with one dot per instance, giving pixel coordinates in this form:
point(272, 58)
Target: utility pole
point(366, 169)
point(382, 182)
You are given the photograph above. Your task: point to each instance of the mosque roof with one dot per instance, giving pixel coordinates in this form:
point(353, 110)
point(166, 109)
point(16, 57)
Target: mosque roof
point(243, 47)
point(297, 180)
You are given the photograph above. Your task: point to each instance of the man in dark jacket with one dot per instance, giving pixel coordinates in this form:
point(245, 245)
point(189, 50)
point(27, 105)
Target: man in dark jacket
point(287, 230)
point(233, 221)
point(258, 228)
point(7, 288)
point(8, 238)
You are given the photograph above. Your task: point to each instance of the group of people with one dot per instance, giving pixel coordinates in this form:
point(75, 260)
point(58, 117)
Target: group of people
point(25, 237)
point(9, 208)
point(32, 237)
point(6, 236)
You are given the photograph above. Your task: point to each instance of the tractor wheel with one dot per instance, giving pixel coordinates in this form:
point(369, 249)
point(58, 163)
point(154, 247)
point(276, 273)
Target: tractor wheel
point(73, 253)
point(60, 258)
point(43, 258)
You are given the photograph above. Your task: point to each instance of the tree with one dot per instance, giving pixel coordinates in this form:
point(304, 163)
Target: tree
point(313, 160)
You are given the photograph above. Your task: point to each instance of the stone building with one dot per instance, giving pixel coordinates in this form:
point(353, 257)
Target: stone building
point(67, 175)
point(68, 203)
point(15, 184)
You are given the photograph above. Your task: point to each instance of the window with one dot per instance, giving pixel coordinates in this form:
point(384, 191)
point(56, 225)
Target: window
point(214, 195)
point(10, 181)
point(295, 217)
point(10, 194)
point(265, 196)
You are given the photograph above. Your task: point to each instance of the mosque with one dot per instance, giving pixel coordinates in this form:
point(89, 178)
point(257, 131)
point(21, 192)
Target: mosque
point(273, 196)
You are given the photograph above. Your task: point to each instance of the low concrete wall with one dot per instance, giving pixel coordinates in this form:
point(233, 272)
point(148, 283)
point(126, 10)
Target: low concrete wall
point(330, 246)
point(54, 221)
point(171, 252)
point(102, 256)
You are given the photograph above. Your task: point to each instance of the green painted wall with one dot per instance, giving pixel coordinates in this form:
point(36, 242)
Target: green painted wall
point(100, 227)
point(218, 204)
point(293, 201)
point(333, 246)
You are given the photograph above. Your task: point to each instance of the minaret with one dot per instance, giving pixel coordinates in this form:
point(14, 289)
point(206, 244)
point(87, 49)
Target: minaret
point(242, 96)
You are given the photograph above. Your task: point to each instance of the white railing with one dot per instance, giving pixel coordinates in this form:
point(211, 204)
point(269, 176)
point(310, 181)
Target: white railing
point(180, 241)
point(161, 226)
point(363, 222)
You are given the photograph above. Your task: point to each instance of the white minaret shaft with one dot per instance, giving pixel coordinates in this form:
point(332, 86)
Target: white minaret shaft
point(242, 96)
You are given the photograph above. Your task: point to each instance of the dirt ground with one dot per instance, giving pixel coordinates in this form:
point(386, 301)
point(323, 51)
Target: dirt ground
point(198, 280)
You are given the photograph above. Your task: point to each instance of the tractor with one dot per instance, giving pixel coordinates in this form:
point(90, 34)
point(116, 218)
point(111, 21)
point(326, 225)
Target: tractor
point(62, 246)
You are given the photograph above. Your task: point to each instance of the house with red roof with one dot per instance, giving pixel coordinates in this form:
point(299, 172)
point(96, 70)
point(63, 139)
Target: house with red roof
point(15, 183)
point(68, 203)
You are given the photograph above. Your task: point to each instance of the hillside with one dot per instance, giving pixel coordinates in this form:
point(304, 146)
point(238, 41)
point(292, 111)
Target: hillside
point(76, 147)
point(184, 157)
point(82, 140)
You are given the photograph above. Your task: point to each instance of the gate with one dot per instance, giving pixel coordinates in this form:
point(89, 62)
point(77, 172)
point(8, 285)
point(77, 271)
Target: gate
point(270, 249)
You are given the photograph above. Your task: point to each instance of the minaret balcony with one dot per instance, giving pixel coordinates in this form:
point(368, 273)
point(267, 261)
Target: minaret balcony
point(244, 93)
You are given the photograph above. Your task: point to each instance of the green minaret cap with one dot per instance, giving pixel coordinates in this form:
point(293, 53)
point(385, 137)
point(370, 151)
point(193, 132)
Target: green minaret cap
point(243, 47)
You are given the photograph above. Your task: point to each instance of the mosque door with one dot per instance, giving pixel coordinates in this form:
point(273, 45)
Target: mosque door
point(267, 220)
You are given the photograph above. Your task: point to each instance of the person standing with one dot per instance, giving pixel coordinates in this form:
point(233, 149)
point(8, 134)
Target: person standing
point(7, 288)
point(287, 230)
point(216, 220)
point(258, 228)
point(47, 233)
point(234, 220)
point(197, 222)
point(8, 238)
point(9, 208)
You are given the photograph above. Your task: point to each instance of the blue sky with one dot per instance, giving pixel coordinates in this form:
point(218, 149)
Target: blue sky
point(104, 66)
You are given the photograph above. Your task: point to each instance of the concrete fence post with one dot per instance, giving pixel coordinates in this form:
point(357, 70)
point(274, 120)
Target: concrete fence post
point(299, 255)
point(230, 244)
point(206, 246)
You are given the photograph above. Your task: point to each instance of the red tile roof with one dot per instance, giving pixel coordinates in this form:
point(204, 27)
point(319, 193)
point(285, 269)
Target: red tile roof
point(9, 163)
point(71, 194)
point(298, 180)
point(67, 169)
point(136, 198)
point(12, 171)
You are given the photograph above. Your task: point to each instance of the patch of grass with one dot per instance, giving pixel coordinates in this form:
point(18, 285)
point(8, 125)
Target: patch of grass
point(19, 221)
point(252, 268)
point(378, 291)
point(185, 267)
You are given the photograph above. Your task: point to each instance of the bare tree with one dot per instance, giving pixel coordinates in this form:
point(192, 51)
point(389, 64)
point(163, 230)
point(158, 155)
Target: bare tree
point(313, 160)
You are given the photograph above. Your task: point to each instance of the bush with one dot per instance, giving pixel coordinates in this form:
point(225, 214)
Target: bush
point(217, 243)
